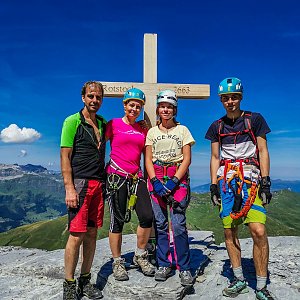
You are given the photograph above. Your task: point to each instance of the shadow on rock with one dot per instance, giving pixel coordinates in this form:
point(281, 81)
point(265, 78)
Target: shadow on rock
point(106, 270)
point(198, 260)
point(248, 271)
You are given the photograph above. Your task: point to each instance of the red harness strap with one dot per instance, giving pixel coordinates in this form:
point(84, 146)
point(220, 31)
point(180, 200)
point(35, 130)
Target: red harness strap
point(248, 130)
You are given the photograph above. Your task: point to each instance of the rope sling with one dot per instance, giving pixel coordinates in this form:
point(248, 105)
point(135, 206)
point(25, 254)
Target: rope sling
point(238, 174)
point(115, 182)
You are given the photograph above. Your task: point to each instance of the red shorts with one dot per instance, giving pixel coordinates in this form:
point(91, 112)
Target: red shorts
point(90, 211)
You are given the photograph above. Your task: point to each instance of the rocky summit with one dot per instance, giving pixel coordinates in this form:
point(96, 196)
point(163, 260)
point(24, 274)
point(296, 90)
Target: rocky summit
point(37, 274)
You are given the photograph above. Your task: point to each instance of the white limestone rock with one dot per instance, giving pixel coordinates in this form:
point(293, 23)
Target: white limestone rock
point(37, 274)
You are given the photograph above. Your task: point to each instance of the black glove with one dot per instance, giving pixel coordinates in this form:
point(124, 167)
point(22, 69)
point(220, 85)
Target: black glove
point(159, 187)
point(215, 194)
point(264, 192)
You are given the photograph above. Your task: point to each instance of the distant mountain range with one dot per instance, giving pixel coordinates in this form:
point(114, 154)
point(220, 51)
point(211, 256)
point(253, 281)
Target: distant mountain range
point(30, 193)
point(277, 185)
point(8, 171)
point(283, 220)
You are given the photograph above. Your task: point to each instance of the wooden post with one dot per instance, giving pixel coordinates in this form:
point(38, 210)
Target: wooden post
point(150, 75)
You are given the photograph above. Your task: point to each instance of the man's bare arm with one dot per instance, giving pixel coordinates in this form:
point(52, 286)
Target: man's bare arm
point(66, 170)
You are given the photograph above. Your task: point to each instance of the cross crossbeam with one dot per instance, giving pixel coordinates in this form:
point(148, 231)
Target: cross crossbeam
point(150, 86)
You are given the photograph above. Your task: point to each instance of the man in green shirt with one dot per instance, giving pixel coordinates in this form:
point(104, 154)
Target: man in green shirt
point(82, 165)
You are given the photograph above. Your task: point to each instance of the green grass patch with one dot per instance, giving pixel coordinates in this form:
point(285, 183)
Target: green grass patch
point(283, 220)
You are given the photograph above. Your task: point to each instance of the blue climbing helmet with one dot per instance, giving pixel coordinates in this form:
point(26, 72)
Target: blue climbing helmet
point(168, 96)
point(134, 94)
point(230, 85)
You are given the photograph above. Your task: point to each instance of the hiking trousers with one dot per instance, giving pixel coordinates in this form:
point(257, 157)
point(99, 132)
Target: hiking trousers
point(179, 201)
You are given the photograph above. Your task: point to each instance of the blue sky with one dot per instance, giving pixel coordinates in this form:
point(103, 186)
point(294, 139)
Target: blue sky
point(48, 49)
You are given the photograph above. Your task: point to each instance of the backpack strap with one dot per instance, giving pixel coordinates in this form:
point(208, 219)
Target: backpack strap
point(220, 130)
point(248, 128)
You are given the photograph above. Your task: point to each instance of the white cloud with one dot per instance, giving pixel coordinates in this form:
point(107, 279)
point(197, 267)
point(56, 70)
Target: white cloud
point(281, 131)
point(14, 134)
point(23, 153)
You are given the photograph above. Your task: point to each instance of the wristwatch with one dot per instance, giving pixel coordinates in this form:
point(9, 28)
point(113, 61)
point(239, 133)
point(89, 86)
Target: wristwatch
point(175, 180)
point(266, 181)
point(153, 179)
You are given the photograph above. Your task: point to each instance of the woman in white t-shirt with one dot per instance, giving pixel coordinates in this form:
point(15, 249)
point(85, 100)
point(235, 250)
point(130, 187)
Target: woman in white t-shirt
point(168, 156)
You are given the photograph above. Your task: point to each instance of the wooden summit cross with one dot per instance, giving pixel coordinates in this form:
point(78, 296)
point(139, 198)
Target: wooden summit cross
point(150, 86)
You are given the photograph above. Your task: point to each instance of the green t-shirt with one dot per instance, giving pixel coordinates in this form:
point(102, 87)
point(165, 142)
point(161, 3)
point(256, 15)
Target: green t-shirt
point(88, 156)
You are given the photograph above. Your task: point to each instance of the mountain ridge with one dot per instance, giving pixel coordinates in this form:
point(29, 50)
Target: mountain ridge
point(34, 194)
point(283, 219)
point(28, 194)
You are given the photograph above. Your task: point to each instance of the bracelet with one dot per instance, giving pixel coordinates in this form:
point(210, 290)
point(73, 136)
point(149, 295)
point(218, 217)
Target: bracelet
point(175, 179)
point(266, 181)
point(153, 179)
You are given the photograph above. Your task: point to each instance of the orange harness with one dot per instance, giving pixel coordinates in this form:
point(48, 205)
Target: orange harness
point(238, 175)
point(238, 169)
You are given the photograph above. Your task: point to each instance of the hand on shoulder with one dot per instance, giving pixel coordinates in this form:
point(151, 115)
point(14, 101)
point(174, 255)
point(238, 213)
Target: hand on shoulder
point(144, 124)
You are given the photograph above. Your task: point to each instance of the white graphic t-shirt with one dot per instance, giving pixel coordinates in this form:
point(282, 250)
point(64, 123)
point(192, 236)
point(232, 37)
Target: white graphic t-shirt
point(167, 147)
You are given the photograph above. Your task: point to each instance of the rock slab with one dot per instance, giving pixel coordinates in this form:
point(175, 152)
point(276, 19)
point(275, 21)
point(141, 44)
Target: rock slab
point(38, 274)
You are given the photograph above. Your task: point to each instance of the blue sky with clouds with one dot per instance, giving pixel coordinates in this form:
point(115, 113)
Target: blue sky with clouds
point(48, 49)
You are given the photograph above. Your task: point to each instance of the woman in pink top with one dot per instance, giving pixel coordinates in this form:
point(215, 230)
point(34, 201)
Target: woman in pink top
point(125, 184)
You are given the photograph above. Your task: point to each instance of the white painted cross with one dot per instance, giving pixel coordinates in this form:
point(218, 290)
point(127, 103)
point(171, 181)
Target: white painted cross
point(150, 86)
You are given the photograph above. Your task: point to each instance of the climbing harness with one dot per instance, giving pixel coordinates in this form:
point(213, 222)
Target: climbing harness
point(169, 199)
point(238, 176)
point(237, 170)
point(115, 182)
point(165, 166)
point(132, 198)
